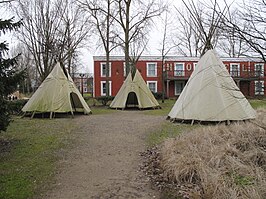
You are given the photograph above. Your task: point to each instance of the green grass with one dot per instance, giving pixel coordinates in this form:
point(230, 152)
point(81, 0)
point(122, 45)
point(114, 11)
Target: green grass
point(168, 130)
point(28, 162)
point(165, 108)
point(256, 103)
point(241, 180)
point(99, 110)
point(87, 95)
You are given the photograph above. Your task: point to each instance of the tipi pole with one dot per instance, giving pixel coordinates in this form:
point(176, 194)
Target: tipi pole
point(51, 115)
point(32, 116)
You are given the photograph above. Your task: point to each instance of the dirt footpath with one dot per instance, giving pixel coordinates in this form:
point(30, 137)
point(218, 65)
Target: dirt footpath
point(105, 160)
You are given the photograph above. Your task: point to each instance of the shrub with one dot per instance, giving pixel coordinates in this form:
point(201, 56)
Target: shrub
point(158, 95)
point(16, 106)
point(105, 99)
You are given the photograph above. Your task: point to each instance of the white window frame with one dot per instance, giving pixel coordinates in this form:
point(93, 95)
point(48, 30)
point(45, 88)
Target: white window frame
point(194, 66)
point(259, 92)
point(182, 89)
point(147, 67)
point(262, 71)
point(179, 73)
point(110, 69)
point(232, 73)
point(110, 88)
point(124, 69)
point(149, 82)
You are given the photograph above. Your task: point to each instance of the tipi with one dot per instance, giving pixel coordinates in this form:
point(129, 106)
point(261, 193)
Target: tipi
point(134, 93)
point(211, 94)
point(56, 94)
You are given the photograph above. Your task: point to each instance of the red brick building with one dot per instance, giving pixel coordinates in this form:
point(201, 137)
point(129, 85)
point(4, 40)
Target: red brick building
point(248, 73)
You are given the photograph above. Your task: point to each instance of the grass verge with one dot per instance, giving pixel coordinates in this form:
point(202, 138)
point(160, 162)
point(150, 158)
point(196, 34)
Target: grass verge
point(256, 103)
point(168, 130)
point(98, 110)
point(28, 153)
point(165, 108)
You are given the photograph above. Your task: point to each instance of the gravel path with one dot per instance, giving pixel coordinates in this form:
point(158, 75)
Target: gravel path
point(105, 162)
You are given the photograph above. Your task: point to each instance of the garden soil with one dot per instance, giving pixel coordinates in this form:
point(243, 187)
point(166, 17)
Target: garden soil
point(105, 160)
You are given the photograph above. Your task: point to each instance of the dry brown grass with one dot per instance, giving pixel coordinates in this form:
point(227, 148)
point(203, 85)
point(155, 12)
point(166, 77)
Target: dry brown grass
point(219, 161)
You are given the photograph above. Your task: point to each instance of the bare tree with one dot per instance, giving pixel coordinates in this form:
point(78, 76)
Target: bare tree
point(166, 45)
point(188, 36)
point(251, 25)
point(50, 32)
point(135, 19)
point(25, 62)
point(103, 14)
point(200, 25)
point(74, 32)
point(7, 1)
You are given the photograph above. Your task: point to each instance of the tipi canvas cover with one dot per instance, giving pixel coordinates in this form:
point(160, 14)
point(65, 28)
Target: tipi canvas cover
point(57, 94)
point(134, 93)
point(211, 94)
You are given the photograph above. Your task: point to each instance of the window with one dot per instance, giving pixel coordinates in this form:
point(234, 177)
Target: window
point(179, 85)
point(259, 69)
point(179, 69)
point(151, 69)
point(103, 88)
point(259, 87)
point(152, 86)
point(235, 70)
point(104, 70)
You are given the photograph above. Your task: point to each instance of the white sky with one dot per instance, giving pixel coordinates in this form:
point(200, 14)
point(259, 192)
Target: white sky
point(87, 54)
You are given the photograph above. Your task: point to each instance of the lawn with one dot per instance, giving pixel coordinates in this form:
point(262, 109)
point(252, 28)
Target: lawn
point(97, 110)
point(165, 108)
point(30, 149)
point(28, 154)
point(256, 103)
point(168, 130)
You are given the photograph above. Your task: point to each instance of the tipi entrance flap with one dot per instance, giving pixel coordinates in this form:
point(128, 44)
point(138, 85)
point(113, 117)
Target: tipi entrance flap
point(75, 101)
point(132, 100)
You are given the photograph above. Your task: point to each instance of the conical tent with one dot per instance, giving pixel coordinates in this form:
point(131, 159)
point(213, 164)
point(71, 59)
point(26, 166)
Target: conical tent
point(57, 94)
point(211, 94)
point(134, 93)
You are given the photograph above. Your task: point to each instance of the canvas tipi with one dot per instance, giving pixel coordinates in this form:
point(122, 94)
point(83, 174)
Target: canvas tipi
point(134, 93)
point(57, 94)
point(211, 94)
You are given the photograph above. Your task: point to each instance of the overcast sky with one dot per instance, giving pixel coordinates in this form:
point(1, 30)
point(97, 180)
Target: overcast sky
point(87, 54)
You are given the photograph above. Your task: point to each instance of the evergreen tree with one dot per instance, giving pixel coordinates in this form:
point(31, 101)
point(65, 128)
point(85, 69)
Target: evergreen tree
point(9, 75)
